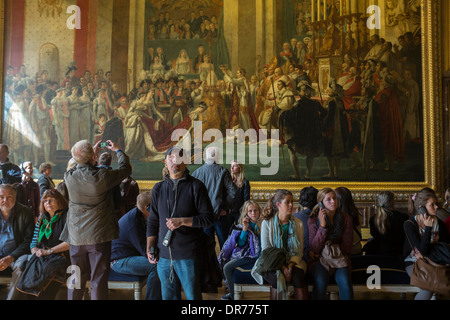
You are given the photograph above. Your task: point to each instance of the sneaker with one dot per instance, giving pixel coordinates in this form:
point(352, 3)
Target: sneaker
point(228, 296)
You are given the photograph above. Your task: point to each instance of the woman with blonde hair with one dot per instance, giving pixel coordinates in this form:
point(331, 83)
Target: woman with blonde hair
point(243, 189)
point(386, 228)
point(242, 246)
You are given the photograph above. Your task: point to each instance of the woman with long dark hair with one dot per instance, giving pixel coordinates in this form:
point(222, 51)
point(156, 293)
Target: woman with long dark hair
point(423, 231)
point(328, 224)
point(282, 231)
point(347, 205)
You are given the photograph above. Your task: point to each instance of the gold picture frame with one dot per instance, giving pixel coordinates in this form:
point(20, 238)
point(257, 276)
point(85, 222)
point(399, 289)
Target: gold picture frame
point(433, 122)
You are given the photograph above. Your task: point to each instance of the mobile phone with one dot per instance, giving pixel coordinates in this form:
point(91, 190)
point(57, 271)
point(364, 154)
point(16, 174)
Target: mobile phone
point(423, 211)
point(104, 144)
point(321, 206)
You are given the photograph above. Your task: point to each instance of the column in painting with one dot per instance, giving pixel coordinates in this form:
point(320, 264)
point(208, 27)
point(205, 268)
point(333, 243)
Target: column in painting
point(136, 40)
point(104, 35)
point(119, 43)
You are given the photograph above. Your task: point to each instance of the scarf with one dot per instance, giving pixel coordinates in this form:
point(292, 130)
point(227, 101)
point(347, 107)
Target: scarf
point(292, 241)
point(293, 246)
point(46, 228)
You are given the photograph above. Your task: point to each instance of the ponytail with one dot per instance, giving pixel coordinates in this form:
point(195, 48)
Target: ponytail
point(385, 204)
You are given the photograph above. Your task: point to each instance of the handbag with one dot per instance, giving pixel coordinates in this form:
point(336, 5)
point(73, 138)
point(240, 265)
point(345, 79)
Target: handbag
point(331, 256)
point(430, 276)
point(271, 260)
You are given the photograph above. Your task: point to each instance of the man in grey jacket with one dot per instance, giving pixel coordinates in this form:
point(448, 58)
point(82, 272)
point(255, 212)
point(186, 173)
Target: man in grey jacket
point(91, 221)
point(221, 191)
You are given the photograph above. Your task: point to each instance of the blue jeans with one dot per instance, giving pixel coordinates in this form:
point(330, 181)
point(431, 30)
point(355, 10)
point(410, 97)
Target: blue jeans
point(228, 270)
point(186, 271)
point(140, 266)
point(322, 277)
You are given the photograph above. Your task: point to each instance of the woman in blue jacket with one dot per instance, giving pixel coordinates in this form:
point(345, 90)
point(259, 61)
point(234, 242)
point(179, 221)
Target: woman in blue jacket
point(242, 246)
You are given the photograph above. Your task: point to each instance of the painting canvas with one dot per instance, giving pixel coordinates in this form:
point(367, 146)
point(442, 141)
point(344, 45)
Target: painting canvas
point(300, 91)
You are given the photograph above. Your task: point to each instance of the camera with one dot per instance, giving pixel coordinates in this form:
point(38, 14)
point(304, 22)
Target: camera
point(104, 144)
point(167, 238)
point(153, 253)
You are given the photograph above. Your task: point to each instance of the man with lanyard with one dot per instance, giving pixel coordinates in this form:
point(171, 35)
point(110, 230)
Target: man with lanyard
point(179, 211)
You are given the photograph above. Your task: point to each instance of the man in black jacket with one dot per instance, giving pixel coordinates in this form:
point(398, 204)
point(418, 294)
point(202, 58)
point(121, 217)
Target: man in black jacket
point(179, 211)
point(16, 233)
point(129, 252)
point(9, 173)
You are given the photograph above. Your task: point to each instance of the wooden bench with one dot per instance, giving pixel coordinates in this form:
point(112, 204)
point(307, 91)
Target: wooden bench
point(116, 281)
point(5, 281)
point(333, 290)
point(394, 278)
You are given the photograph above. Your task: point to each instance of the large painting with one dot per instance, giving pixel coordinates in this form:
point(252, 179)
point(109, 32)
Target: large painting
point(323, 92)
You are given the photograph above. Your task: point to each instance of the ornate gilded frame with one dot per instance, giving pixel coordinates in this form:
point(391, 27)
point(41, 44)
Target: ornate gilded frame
point(433, 122)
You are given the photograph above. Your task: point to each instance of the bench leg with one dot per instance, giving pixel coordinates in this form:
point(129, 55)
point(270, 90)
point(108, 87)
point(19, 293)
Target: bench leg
point(334, 296)
point(137, 293)
point(238, 295)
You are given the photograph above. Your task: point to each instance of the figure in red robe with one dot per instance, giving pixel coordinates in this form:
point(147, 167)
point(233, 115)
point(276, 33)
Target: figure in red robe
point(391, 122)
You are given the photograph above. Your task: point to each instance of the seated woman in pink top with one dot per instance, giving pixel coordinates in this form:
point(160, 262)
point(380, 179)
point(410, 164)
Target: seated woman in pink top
point(330, 224)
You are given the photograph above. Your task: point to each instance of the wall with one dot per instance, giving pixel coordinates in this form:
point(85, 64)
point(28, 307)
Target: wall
point(57, 33)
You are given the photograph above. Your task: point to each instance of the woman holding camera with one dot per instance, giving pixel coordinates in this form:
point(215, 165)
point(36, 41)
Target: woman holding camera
point(423, 230)
point(329, 226)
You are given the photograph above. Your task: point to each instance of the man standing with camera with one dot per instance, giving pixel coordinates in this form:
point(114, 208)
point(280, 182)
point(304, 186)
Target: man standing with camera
point(91, 221)
point(179, 211)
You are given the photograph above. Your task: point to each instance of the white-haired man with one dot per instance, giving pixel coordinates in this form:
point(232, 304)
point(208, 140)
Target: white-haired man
point(91, 221)
point(221, 191)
